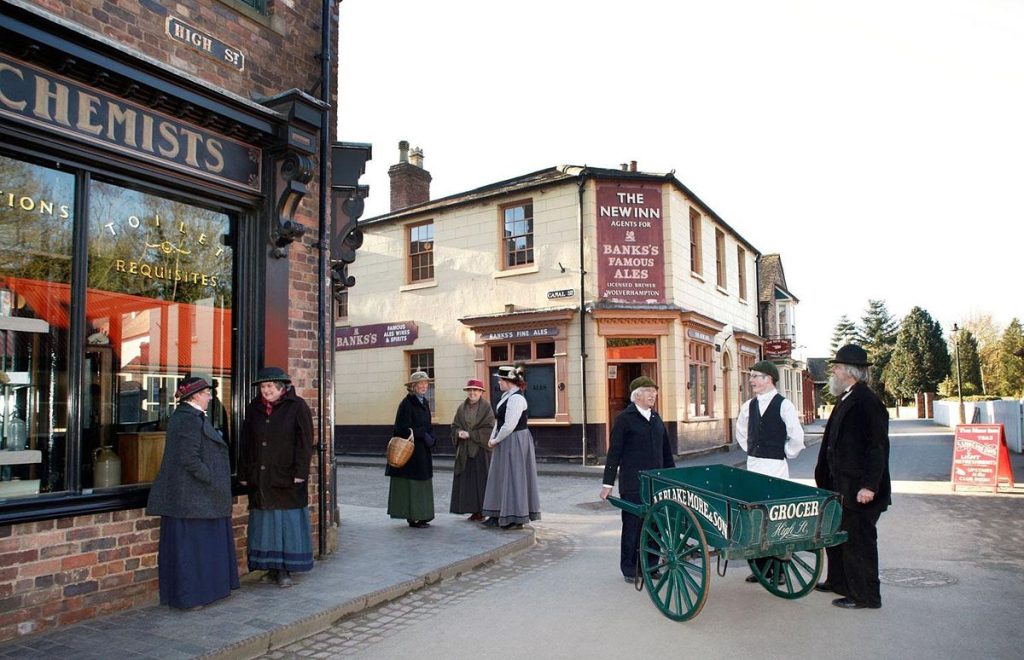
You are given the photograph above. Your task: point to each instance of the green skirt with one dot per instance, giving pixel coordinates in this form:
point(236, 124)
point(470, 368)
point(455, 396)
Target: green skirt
point(411, 499)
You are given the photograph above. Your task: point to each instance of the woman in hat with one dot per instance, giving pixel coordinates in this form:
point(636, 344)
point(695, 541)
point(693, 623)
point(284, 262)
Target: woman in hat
point(192, 496)
point(471, 429)
point(411, 493)
point(512, 497)
point(277, 446)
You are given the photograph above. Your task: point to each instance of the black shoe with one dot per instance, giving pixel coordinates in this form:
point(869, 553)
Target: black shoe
point(850, 604)
point(631, 580)
point(269, 577)
point(490, 522)
point(512, 526)
point(823, 587)
point(751, 578)
point(419, 524)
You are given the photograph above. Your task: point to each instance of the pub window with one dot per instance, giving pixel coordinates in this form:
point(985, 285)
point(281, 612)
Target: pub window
point(741, 261)
point(720, 258)
point(699, 382)
point(342, 300)
point(421, 252)
point(696, 263)
point(746, 362)
point(539, 359)
point(517, 233)
point(424, 361)
point(258, 5)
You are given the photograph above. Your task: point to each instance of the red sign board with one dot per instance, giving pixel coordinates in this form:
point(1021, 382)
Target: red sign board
point(777, 348)
point(630, 243)
point(378, 335)
point(980, 458)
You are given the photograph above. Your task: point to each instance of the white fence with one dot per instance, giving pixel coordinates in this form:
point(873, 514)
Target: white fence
point(1008, 413)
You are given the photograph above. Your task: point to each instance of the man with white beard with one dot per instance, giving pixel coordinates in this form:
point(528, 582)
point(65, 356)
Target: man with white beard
point(854, 461)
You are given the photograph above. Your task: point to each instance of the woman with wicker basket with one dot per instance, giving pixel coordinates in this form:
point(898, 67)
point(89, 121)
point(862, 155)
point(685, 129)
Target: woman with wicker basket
point(411, 492)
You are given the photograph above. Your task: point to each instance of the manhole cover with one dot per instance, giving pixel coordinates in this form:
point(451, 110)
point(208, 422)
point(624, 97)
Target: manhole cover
point(595, 506)
point(914, 577)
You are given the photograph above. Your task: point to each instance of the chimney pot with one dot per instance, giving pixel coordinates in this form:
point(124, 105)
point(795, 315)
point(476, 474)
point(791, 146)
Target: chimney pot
point(624, 167)
point(403, 151)
point(632, 166)
point(416, 157)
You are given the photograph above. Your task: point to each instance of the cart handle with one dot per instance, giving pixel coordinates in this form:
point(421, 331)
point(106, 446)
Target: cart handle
point(638, 510)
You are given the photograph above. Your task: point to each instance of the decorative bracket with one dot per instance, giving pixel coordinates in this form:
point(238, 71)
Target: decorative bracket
point(296, 172)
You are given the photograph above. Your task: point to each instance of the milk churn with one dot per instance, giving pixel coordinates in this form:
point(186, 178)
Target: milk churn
point(106, 468)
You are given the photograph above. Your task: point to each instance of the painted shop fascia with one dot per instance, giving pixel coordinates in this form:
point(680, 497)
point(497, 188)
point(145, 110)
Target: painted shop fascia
point(585, 274)
point(149, 222)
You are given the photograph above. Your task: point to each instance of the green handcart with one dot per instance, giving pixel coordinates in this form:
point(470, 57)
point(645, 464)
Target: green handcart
point(693, 513)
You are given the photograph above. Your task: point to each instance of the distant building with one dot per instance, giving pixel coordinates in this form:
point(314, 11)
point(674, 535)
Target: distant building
point(778, 327)
point(590, 276)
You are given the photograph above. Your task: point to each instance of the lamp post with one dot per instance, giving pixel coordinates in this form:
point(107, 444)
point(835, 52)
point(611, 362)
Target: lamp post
point(959, 388)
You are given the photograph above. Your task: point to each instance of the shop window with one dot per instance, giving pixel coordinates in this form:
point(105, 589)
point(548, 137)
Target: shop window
point(424, 361)
point(36, 223)
point(696, 262)
point(539, 358)
point(421, 252)
point(157, 309)
point(741, 260)
point(517, 233)
point(720, 258)
point(699, 383)
point(342, 299)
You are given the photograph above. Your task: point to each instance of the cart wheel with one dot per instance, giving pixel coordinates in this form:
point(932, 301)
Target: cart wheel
point(800, 569)
point(674, 560)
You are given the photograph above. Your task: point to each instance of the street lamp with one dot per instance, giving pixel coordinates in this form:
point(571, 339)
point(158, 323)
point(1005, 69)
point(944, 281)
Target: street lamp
point(959, 389)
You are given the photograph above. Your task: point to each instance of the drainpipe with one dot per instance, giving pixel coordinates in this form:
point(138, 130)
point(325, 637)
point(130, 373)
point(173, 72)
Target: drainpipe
point(323, 282)
point(581, 182)
point(757, 288)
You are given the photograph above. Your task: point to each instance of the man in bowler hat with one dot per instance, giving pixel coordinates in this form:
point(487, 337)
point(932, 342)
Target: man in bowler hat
point(854, 461)
point(639, 442)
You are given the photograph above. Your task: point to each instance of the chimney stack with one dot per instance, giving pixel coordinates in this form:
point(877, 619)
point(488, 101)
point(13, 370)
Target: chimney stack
point(410, 183)
point(632, 166)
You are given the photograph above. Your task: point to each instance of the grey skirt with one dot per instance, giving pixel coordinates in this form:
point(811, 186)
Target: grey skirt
point(512, 495)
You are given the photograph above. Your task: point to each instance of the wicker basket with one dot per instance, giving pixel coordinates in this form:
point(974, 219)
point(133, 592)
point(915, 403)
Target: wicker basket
point(400, 450)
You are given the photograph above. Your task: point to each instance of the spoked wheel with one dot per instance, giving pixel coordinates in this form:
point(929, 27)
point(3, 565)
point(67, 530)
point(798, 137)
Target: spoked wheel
point(674, 560)
point(789, 576)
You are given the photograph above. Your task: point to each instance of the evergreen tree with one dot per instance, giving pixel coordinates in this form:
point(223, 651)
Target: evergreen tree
point(845, 333)
point(970, 365)
point(920, 360)
point(1010, 376)
point(987, 333)
point(877, 335)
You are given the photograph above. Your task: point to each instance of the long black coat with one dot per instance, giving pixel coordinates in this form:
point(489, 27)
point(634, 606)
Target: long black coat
point(637, 444)
point(195, 474)
point(416, 416)
point(276, 450)
point(854, 451)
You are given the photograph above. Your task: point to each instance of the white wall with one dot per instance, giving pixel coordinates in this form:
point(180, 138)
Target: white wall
point(1008, 413)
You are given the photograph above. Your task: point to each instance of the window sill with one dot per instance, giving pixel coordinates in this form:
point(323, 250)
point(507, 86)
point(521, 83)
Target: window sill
point(696, 276)
point(722, 290)
point(518, 270)
point(418, 285)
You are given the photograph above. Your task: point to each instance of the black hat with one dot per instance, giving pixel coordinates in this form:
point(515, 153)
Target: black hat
point(189, 386)
point(268, 374)
point(851, 354)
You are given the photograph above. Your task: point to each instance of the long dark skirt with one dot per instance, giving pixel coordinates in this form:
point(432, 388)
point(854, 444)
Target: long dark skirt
point(512, 494)
point(280, 539)
point(469, 486)
point(412, 499)
point(197, 563)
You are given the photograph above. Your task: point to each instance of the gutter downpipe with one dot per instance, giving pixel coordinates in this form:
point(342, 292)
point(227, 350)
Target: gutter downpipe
point(322, 280)
point(757, 287)
point(581, 186)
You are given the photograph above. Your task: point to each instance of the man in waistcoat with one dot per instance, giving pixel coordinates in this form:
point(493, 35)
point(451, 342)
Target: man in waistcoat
point(768, 429)
point(639, 442)
point(854, 461)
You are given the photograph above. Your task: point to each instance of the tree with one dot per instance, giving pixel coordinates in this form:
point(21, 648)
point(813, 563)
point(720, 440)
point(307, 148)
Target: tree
point(920, 360)
point(877, 335)
point(970, 363)
point(987, 333)
point(1010, 374)
point(845, 333)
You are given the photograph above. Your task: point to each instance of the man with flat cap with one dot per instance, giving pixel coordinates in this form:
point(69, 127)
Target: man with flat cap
point(639, 442)
point(768, 429)
point(854, 461)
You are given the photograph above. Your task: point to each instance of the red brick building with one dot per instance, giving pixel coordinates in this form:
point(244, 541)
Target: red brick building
point(161, 215)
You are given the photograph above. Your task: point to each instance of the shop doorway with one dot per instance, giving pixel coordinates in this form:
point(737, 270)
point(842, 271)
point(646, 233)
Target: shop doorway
point(627, 359)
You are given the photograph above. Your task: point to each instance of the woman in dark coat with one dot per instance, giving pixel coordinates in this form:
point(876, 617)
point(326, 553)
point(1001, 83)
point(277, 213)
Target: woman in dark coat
point(411, 493)
point(277, 446)
point(471, 429)
point(192, 496)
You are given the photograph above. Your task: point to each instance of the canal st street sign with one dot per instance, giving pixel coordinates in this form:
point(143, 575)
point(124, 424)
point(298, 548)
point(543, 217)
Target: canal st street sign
point(379, 335)
point(34, 96)
point(775, 349)
point(561, 293)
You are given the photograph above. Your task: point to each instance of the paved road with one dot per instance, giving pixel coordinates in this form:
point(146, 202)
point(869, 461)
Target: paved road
point(952, 565)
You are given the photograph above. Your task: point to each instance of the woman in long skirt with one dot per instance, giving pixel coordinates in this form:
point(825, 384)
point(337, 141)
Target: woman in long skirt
point(512, 497)
point(411, 492)
point(192, 496)
point(471, 429)
point(277, 447)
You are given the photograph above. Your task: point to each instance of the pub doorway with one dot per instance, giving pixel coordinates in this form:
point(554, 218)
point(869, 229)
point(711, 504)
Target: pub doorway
point(626, 359)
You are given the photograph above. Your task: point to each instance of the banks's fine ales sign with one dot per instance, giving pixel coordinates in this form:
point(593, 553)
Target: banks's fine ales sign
point(630, 243)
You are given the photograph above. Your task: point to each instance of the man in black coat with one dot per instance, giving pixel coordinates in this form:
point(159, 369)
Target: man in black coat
point(639, 442)
point(854, 461)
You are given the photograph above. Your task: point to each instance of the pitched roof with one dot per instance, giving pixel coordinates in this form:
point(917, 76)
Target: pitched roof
point(772, 277)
